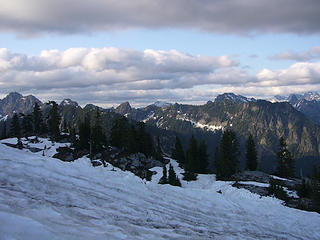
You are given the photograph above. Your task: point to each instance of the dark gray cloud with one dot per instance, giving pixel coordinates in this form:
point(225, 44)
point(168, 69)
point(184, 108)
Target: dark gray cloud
point(313, 53)
point(232, 16)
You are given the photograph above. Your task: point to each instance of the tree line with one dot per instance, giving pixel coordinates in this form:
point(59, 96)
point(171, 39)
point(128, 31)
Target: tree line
point(226, 158)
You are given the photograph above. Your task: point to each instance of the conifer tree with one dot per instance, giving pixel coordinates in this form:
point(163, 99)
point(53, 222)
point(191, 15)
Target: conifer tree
point(173, 178)
point(54, 120)
point(37, 120)
point(84, 132)
point(191, 161)
point(178, 153)
point(145, 142)
point(227, 157)
point(286, 163)
point(164, 178)
point(120, 133)
point(15, 130)
point(97, 136)
point(27, 127)
point(251, 154)
point(4, 130)
point(203, 158)
point(132, 140)
point(159, 153)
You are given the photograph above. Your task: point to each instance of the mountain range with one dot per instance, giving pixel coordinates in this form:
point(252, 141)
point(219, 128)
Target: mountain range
point(294, 117)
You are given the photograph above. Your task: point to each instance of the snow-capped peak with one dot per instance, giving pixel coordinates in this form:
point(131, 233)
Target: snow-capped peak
point(67, 102)
point(233, 97)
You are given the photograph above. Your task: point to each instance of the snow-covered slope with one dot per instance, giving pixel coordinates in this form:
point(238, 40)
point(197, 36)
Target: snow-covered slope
point(44, 198)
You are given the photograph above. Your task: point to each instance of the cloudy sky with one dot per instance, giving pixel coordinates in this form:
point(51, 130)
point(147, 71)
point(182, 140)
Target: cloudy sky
point(110, 51)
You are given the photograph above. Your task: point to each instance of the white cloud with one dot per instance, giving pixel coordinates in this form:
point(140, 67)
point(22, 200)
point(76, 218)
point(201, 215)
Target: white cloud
point(112, 75)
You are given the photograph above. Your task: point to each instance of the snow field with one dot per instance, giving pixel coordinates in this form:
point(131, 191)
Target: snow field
point(45, 198)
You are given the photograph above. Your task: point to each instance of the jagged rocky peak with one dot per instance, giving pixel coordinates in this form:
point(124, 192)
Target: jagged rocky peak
point(68, 102)
point(293, 98)
point(123, 108)
point(15, 102)
point(234, 98)
point(311, 96)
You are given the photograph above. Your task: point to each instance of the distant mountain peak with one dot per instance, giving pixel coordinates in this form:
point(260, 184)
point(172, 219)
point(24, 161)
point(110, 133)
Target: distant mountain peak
point(67, 102)
point(15, 102)
point(15, 95)
point(234, 98)
point(123, 108)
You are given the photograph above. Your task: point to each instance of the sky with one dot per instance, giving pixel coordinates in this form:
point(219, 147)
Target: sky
point(106, 52)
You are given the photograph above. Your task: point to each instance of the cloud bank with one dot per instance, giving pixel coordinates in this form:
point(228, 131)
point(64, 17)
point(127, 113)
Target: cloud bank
point(313, 53)
point(232, 16)
point(110, 76)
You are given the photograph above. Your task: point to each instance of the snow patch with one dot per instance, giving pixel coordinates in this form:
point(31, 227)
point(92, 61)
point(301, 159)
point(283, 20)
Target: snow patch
point(3, 118)
point(205, 127)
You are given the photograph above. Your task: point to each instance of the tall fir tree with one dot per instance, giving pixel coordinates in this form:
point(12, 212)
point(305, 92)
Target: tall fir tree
point(227, 157)
point(15, 129)
point(37, 120)
point(251, 154)
point(120, 133)
point(97, 136)
point(173, 178)
point(26, 125)
point(145, 142)
point(286, 163)
point(84, 132)
point(164, 178)
point(4, 130)
point(203, 158)
point(178, 153)
point(191, 161)
point(54, 121)
point(159, 153)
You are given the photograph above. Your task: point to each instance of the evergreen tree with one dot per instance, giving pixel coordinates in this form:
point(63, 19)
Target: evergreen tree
point(15, 130)
point(178, 153)
point(251, 154)
point(203, 158)
point(286, 163)
point(192, 155)
point(227, 157)
point(73, 137)
point(164, 178)
point(37, 120)
point(159, 153)
point(27, 127)
point(84, 132)
point(120, 133)
point(191, 163)
point(4, 130)
point(54, 120)
point(97, 136)
point(144, 139)
point(173, 178)
point(132, 140)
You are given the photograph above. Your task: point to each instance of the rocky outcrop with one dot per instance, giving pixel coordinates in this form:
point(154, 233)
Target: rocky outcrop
point(136, 163)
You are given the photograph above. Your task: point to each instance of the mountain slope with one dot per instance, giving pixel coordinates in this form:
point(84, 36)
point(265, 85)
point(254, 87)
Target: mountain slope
point(15, 102)
point(265, 120)
point(44, 198)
